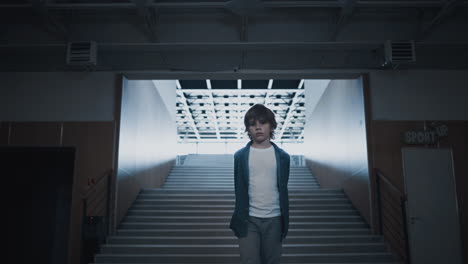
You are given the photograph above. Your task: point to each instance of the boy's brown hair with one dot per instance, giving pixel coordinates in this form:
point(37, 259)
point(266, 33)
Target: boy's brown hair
point(263, 115)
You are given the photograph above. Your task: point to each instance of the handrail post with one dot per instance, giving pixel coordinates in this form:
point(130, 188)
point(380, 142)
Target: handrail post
point(405, 229)
point(83, 221)
point(108, 203)
point(379, 203)
point(402, 197)
point(87, 220)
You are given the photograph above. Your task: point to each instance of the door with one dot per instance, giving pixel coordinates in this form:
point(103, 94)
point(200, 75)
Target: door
point(433, 223)
point(40, 181)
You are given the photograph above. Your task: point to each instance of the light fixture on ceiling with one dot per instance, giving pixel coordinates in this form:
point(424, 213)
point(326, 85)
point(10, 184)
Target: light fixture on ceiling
point(270, 83)
point(301, 83)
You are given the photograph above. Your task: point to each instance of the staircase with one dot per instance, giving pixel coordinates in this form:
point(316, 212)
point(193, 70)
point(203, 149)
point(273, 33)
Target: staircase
point(209, 160)
point(187, 221)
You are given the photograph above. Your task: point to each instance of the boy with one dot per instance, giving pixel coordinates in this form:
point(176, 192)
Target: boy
point(261, 172)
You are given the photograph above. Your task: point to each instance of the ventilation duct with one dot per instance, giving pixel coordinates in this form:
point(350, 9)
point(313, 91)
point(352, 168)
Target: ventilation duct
point(399, 53)
point(82, 54)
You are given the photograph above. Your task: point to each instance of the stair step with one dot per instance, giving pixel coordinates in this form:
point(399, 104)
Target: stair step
point(132, 225)
point(231, 191)
point(218, 180)
point(233, 248)
point(281, 262)
point(225, 258)
point(232, 196)
point(291, 199)
point(229, 174)
point(292, 202)
point(228, 232)
point(226, 219)
point(202, 240)
point(194, 184)
point(223, 167)
point(224, 188)
point(157, 206)
point(176, 212)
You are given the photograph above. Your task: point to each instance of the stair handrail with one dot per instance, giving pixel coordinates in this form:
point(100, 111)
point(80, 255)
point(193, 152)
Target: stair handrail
point(87, 196)
point(403, 199)
point(90, 195)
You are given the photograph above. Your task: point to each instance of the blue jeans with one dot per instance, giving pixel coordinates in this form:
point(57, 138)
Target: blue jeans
point(262, 245)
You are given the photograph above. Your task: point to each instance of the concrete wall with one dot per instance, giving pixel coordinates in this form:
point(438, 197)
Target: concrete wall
point(419, 95)
point(148, 138)
point(57, 96)
point(335, 140)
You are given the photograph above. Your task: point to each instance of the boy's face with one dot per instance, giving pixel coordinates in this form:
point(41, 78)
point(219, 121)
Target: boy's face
point(259, 131)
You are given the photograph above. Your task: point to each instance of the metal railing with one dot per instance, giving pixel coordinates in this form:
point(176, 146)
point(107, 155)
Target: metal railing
point(393, 223)
point(297, 160)
point(180, 159)
point(95, 226)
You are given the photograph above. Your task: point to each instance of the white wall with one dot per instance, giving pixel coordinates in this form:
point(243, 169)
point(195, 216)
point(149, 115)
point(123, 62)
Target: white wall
point(419, 95)
point(335, 146)
point(167, 91)
point(147, 135)
point(147, 142)
point(57, 96)
point(335, 133)
point(314, 90)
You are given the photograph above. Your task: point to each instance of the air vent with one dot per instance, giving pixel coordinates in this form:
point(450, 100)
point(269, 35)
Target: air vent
point(82, 53)
point(399, 52)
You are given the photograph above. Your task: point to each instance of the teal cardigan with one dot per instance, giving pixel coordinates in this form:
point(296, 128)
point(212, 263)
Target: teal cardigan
point(239, 218)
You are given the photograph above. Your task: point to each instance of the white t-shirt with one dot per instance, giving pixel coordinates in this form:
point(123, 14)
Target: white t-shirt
point(263, 187)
